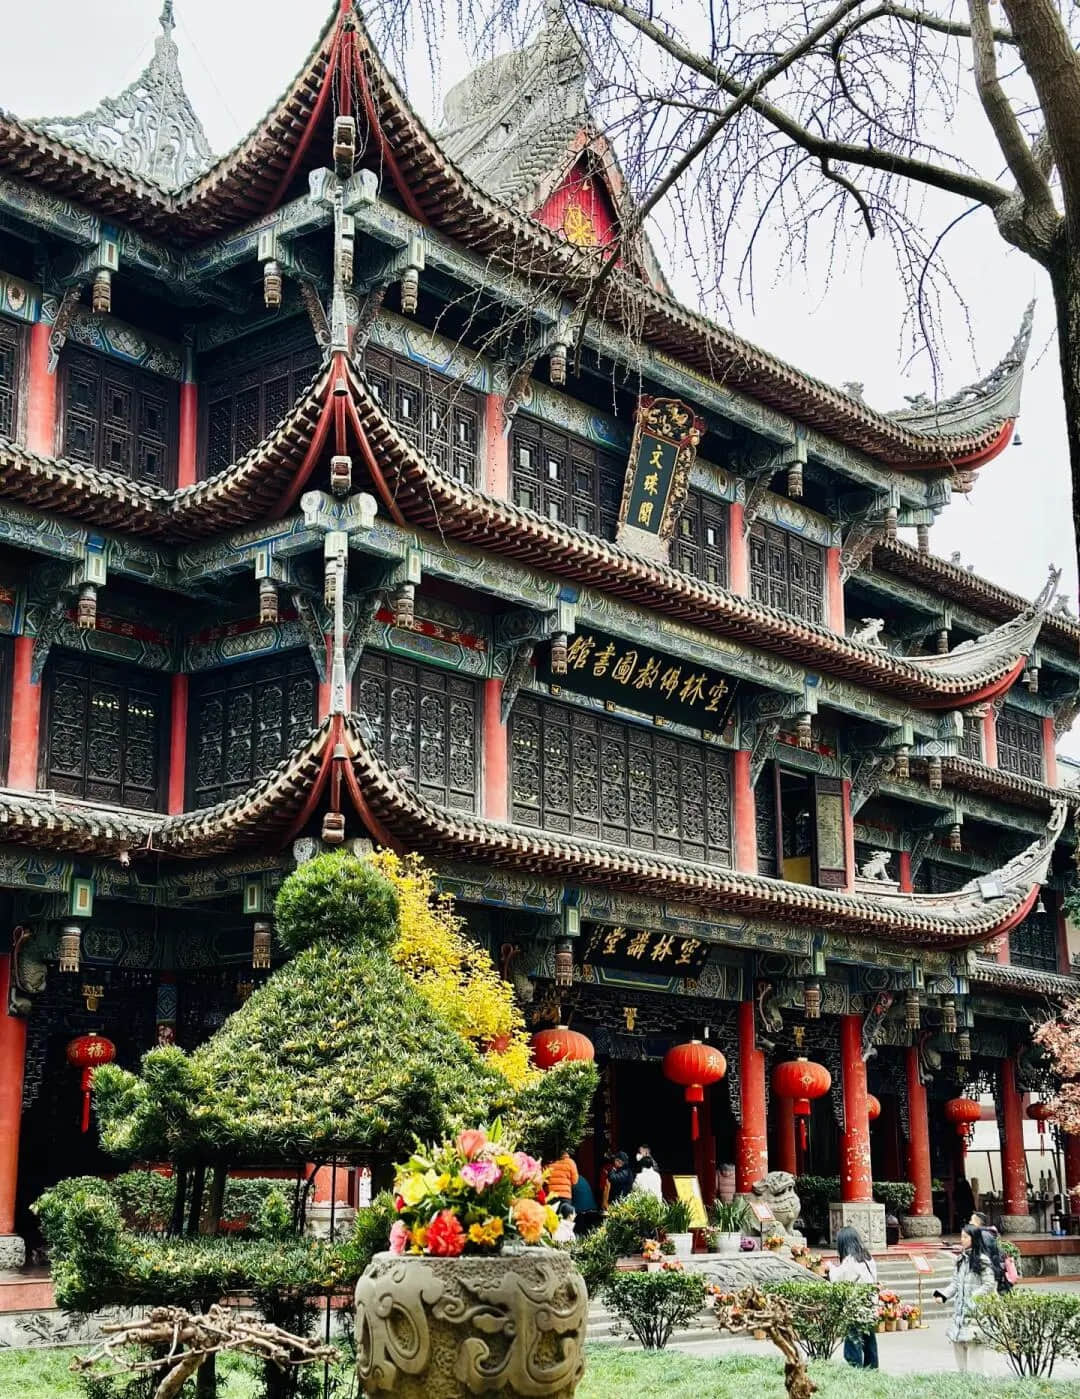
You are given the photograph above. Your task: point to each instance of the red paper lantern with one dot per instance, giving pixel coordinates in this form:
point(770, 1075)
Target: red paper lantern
point(694, 1066)
point(1042, 1113)
point(89, 1052)
point(551, 1047)
point(873, 1107)
point(963, 1113)
point(801, 1079)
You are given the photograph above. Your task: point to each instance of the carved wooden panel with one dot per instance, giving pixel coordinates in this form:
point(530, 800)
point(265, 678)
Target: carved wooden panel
point(700, 543)
point(425, 723)
point(12, 339)
point(441, 417)
point(564, 477)
point(936, 877)
point(250, 388)
point(787, 572)
point(119, 418)
point(243, 719)
point(971, 745)
point(105, 728)
point(1020, 743)
point(765, 822)
point(581, 773)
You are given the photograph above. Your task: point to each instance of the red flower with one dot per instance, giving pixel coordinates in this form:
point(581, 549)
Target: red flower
point(445, 1236)
point(541, 1196)
point(399, 1203)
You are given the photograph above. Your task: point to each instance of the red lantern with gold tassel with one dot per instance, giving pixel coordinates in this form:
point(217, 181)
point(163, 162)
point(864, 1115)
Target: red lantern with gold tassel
point(551, 1047)
point(694, 1066)
point(963, 1113)
point(89, 1052)
point(801, 1079)
point(1042, 1113)
point(873, 1107)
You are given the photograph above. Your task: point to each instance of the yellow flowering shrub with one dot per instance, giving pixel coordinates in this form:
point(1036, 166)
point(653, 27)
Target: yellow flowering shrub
point(453, 973)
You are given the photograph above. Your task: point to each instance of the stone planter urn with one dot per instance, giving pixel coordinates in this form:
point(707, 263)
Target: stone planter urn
point(729, 1244)
point(507, 1325)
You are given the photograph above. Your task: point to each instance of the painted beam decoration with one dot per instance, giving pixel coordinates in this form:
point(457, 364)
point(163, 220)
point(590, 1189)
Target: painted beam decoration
point(666, 437)
point(632, 676)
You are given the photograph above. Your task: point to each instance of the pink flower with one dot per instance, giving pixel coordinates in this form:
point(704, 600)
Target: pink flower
point(480, 1174)
point(445, 1236)
point(527, 1170)
point(471, 1143)
point(400, 1237)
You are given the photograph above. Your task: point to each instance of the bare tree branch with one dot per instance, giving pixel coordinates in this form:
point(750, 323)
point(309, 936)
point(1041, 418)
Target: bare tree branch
point(1053, 66)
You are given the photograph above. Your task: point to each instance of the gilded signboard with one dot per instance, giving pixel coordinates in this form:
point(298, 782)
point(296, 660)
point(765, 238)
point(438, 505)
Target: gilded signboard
point(666, 437)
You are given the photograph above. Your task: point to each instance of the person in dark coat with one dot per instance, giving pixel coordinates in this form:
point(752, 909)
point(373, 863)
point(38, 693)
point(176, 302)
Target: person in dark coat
point(620, 1178)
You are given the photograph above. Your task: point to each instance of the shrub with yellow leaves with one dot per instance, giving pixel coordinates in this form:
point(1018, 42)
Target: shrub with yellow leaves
point(453, 973)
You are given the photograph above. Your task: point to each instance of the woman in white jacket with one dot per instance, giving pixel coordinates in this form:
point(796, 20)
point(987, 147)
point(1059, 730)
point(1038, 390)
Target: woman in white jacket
point(854, 1264)
point(975, 1277)
point(647, 1179)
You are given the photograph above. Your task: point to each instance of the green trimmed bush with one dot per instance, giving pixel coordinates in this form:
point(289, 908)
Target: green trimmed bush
point(632, 1220)
point(824, 1312)
point(654, 1305)
point(1033, 1329)
point(552, 1115)
point(596, 1259)
point(896, 1195)
point(262, 1205)
point(371, 1232)
point(336, 898)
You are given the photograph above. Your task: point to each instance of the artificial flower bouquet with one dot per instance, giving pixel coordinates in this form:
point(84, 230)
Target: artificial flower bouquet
point(470, 1195)
point(650, 1250)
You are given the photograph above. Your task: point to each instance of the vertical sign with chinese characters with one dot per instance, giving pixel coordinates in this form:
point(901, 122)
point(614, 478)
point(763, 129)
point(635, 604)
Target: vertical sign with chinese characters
point(666, 436)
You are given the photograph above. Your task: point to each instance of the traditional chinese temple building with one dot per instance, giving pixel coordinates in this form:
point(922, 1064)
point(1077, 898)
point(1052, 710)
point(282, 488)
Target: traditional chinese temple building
point(324, 518)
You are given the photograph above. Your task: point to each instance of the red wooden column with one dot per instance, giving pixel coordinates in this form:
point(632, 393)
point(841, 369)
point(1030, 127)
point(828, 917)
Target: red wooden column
point(784, 1139)
point(22, 767)
point(1072, 1171)
point(1013, 1162)
point(186, 467)
point(1050, 769)
point(178, 721)
point(918, 1146)
point(989, 737)
point(744, 816)
point(855, 1146)
point(738, 556)
point(751, 1139)
point(40, 394)
point(12, 1062)
point(834, 590)
point(496, 448)
point(496, 800)
point(903, 872)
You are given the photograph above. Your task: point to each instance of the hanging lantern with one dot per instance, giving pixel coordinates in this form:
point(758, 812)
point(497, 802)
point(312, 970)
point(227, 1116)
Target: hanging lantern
point(260, 946)
point(891, 521)
point(811, 998)
point(268, 600)
point(341, 475)
point(1041, 1113)
point(333, 827)
point(1031, 679)
point(272, 284)
point(89, 1052)
point(70, 942)
point(558, 364)
point(948, 1015)
point(956, 838)
point(804, 730)
point(963, 1113)
point(795, 481)
point(101, 292)
point(694, 1066)
point(922, 534)
point(86, 608)
point(963, 1046)
point(404, 600)
point(873, 1107)
point(933, 774)
point(551, 1047)
point(410, 291)
point(912, 1010)
point(801, 1079)
point(558, 654)
point(902, 763)
point(564, 965)
point(344, 146)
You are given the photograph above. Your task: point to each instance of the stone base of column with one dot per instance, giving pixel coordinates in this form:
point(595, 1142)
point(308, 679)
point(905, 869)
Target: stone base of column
point(12, 1253)
point(868, 1218)
point(920, 1226)
point(1018, 1224)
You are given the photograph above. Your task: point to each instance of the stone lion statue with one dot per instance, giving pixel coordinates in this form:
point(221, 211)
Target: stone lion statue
point(876, 866)
point(777, 1190)
point(868, 631)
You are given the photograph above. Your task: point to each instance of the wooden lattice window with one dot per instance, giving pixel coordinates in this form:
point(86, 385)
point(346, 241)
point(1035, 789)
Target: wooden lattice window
point(582, 773)
point(937, 877)
point(1020, 743)
point(243, 719)
point(248, 389)
point(424, 722)
point(971, 745)
point(1034, 942)
point(120, 419)
point(787, 572)
point(700, 543)
point(565, 478)
point(105, 729)
point(11, 360)
point(765, 824)
point(440, 417)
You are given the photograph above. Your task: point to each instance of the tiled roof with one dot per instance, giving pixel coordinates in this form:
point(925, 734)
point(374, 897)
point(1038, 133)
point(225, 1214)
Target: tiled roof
point(1024, 979)
point(970, 776)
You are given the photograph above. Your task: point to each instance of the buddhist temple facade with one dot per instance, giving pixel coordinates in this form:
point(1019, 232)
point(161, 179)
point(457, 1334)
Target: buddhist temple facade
point(326, 517)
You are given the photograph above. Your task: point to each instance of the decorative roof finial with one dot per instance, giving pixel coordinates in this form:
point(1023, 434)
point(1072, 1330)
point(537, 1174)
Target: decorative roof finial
point(150, 130)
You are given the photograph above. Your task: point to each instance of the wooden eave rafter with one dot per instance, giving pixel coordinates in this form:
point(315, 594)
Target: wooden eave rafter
point(277, 807)
point(965, 774)
point(1023, 980)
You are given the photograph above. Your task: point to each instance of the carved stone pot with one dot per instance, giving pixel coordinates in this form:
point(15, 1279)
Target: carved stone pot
point(446, 1328)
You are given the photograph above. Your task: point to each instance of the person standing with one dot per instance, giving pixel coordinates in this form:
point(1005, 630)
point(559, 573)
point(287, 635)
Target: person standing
point(975, 1277)
point(647, 1180)
point(561, 1177)
point(620, 1178)
point(855, 1264)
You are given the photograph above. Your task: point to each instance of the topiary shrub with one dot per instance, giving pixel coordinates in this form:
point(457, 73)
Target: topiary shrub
point(896, 1195)
point(336, 898)
point(824, 1312)
point(632, 1220)
point(1033, 1329)
point(371, 1232)
point(653, 1305)
point(551, 1114)
point(596, 1259)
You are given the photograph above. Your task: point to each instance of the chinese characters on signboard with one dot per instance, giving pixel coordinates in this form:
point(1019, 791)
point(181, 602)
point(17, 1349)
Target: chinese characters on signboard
point(667, 954)
point(666, 436)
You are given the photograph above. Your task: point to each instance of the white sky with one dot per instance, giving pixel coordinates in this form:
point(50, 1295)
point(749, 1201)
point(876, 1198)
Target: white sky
point(237, 58)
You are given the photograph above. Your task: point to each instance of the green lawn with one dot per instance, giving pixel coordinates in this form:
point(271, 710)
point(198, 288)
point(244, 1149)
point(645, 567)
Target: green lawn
point(44, 1374)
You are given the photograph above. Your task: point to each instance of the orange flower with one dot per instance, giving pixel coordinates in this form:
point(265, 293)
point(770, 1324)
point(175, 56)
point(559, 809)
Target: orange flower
point(529, 1218)
point(471, 1143)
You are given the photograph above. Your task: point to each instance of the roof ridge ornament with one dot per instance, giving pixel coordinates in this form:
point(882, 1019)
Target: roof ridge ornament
point(150, 130)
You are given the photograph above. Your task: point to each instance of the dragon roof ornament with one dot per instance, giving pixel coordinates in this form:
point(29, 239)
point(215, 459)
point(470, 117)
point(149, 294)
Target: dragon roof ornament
point(150, 130)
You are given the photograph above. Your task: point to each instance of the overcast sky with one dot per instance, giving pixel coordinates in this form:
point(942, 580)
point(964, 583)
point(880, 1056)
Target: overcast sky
point(237, 58)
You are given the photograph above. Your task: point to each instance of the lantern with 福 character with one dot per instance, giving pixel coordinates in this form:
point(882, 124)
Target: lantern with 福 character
point(553, 1046)
point(1042, 1113)
point(694, 1066)
point(963, 1113)
point(801, 1080)
point(873, 1107)
point(89, 1052)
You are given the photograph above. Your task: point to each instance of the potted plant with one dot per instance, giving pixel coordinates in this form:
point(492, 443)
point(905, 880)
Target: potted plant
point(469, 1299)
point(774, 1242)
point(650, 1251)
point(728, 1216)
point(889, 1309)
point(677, 1227)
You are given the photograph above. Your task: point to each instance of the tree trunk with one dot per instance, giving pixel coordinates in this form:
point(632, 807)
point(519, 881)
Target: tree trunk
point(176, 1219)
point(1065, 278)
point(217, 1197)
point(198, 1185)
